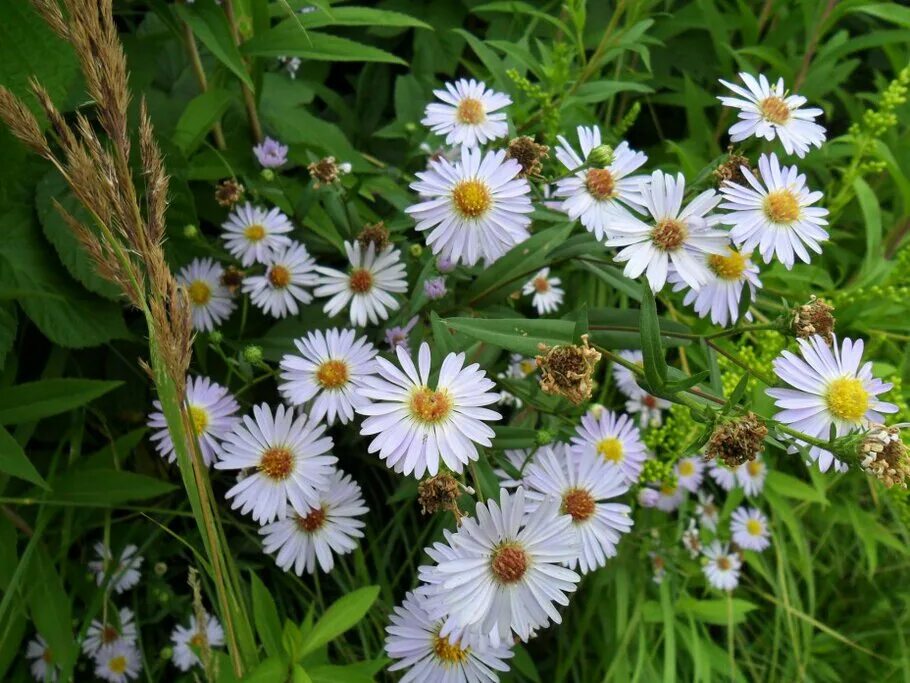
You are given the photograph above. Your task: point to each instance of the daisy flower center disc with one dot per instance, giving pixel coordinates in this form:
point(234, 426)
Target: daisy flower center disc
point(729, 267)
point(332, 374)
point(429, 406)
point(775, 110)
point(200, 418)
point(199, 292)
point(47, 656)
point(781, 206)
point(361, 280)
point(254, 232)
point(754, 468)
point(669, 234)
point(667, 489)
point(198, 640)
point(279, 276)
point(470, 111)
point(723, 563)
point(472, 198)
point(313, 520)
point(847, 399)
point(541, 284)
point(450, 653)
point(510, 562)
point(117, 664)
point(754, 527)
point(611, 449)
point(109, 635)
point(599, 182)
point(686, 468)
point(579, 504)
point(276, 463)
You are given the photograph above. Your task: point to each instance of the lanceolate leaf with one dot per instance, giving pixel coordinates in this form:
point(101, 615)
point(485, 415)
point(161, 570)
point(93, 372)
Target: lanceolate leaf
point(343, 614)
point(211, 27)
point(652, 350)
point(291, 40)
point(102, 488)
point(15, 462)
point(35, 400)
point(515, 334)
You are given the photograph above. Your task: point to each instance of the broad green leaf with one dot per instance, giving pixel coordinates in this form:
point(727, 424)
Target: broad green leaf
point(342, 615)
point(271, 670)
point(36, 400)
point(889, 11)
point(15, 462)
point(299, 675)
point(515, 334)
point(50, 607)
point(655, 363)
point(872, 217)
point(202, 112)
point(791, 487)
point(716, 611)
point(211, 27)
point(265, 615)
point(514, 437)
point(102, 488)
point(290, 40)
point(445, 340)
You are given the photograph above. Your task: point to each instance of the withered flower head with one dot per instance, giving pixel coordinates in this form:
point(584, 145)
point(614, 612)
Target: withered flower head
point(438, 494)
point(567, 370)
point(528, 154)
point(232, 278)
point(814, 317)
point(884, 455)
point(731, 169)
point(229, 192)
point(376, 234)
point(324, 172)
point(737, 441)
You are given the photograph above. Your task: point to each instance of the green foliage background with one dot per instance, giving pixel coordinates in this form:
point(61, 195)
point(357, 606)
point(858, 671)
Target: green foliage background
point(828, 602)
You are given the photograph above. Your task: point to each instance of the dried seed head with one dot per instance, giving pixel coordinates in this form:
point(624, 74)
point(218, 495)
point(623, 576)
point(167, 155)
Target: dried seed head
point(528, 154)
point(814, 317)
point(883, 455)
point(731, 169)
point(737, 441)
point(568, 370)
point(324, 172)
point(232, 278)
point(376, 234)
point(438, 494)
point(228, 192)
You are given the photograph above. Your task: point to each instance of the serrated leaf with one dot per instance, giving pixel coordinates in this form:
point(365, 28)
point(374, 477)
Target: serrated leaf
point(515, 334)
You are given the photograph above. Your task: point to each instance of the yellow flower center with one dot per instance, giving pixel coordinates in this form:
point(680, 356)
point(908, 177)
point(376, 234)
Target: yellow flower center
point(686, 468)
point(254, 232)
point(198, 640)
point(754, 527)
point(313, 521)
point(729, 267)
point(775, 110)
point(472, 198)
point(276, 463)
point(332, 374)
point(754, 467)
point(611, 449)
point(200, 418)
point(117, 664)
point(723, 563)
point(667, 489)
point(847, 399)
point(449, 653)
point(600, 184)
point(541, 284)
point(429, 406)
point(669, 234)
point(361, 281)
point(579, 504)
point(200, 292)
point(528, 366)
point(470, 111)
point(509, 563)
point(279, 276)
point(781, 206)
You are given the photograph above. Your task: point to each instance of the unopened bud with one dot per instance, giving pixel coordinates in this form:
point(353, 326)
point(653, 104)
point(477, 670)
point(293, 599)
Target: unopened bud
point(190, 231)
point(252, 354)
point(601, 156)
point(268, 175)
point(416, 250)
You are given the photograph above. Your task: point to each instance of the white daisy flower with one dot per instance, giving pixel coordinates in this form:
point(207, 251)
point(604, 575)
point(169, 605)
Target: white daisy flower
point(368, 285)
point(186, 640)
point(414, 639)
point(520, 460)
point(707, 512)
point(118, 663)
point(670, 497)
point(751, 475)
point(775, 215)
point(548, 295)
point(213, 410)
point(719, 297)
point(767, 111)
point(210, 301)
point(44, 666)
point(613, 438)
point(583, 485)
point(476, 208)
point(676, 236)
point(648, 497)
point(722, 566)
point(519, 367)
point(506, 573)
point(289, 461)
point(331, 527)
point(328, 372)
point(121, 629)
point(648, 408)
point(289, 269)
point(689, 473)
point(723, 475)
point(691, 539)
point(468, 113)
point(123, 573)
point(831, 386)
point(749, 529)
point(596, 195)
point(415, 425)
point(625, 379)
point(251, 233)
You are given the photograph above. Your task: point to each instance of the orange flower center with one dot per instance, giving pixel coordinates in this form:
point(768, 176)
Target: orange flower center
point(254, 232)
point(510, 562)
point(361, 281)
point(109, 634)
point(200, 293)
point(472, 198)
point(313, 521)
point(276, 463)
point(470, 111)
point(198, 639)
point(781, 206)
point(429, 406)
point(279, 276)
point(541, 284)
point(600, 183)
point(579, 504)
point(669, 234)
point(723, 563)
point(332, 374)
point(775, 110)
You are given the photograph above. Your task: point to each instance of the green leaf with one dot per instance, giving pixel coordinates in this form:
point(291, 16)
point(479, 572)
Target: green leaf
point(514, 437)
point(202, 112)
point(265, 615)
point(791, 487)
point(8, 326)
point(872, 217)
point(35, 400)
point(269, 671)
point(50, 607)
point(15, 462)
point(445, 340)
point(343, 614)
point(211, 27)
point(600, 91)
point(359, 672)
point(655, 363)
point(356, 16)
point(515, 334)
point(290, 40)
point(103, 488)
point(889, 11)
point(716, 611)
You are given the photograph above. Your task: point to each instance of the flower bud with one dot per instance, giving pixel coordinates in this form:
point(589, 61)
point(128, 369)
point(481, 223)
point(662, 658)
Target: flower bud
point(190, 231)
point(416, 250)
point(268, 175)
point(601, 156)
point(252, 354)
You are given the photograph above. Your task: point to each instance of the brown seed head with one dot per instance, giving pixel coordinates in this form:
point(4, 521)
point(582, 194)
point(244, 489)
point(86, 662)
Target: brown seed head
point(814, 317)
point(731, 169)
point(737, 441)
point(438, 494)
point(324, 172)
point(568, 370)
point(884, 456)
point(376, 234)
point(229, 192)
point(528, 154)
point(232, 278)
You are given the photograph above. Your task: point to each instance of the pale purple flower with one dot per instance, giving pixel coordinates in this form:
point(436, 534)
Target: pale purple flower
point(271, 153)
point(435, 288)
point(648, 497)
point(398, 336)
point(445, 265)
